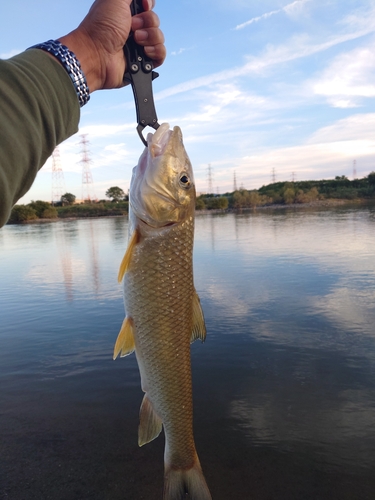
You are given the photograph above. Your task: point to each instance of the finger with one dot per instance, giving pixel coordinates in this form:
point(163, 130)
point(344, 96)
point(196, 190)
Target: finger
point(145, 20)
point(149, 36)
point(157, 53)
point(148, 4)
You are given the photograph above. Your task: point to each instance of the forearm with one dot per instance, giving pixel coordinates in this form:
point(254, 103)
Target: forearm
point(39, 109)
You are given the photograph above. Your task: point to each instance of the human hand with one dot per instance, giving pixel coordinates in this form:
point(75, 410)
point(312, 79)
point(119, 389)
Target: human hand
point(99, 40)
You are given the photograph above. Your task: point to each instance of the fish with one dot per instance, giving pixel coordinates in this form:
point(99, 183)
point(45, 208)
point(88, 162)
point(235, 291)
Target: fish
point(163, 310)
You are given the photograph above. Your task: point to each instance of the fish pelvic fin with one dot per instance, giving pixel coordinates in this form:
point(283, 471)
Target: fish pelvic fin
point(199, 327)
point(125, 339)
point(150, 424)
point(178, 482)
point(128, 255)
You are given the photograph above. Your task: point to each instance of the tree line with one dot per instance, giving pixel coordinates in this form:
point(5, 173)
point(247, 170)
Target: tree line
point(67, 207)
point(275, 193)
point(286, 193)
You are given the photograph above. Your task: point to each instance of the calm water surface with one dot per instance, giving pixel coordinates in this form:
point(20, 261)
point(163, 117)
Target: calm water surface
point(284, 387)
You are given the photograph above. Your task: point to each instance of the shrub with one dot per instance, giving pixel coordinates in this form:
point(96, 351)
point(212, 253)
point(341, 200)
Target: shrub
point(50, 213)
point(39, 206)
point(22, 213)
point(289, 195)
point(199, 204)
point(220, 202)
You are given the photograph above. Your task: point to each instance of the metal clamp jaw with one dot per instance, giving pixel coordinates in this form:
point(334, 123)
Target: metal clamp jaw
point(140, 74)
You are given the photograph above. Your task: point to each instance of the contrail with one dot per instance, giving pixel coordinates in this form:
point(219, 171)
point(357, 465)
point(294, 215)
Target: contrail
point(288, 8)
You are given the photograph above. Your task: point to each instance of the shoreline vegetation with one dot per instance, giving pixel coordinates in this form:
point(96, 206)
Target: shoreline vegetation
point(330, 192)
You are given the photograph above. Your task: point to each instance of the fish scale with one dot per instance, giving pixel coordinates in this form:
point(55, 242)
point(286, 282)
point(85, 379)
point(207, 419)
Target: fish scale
point(165, 260)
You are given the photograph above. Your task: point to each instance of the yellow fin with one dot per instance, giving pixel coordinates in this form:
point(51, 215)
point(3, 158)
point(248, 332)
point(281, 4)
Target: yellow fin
point(150, 424)
point(128, 254)
point(199, 327)
point(125, 339)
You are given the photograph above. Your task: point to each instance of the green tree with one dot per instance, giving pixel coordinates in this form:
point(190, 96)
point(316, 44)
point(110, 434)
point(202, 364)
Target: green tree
point(371, 178)
point(68, 199)
point(219, 202)
point(289, 195)
point(199, 204)
point(50, 213)
point(22, 213)
point(115, 193)
point(254, 199)
point(39, 206)
point(307, 197)
point(241, 199)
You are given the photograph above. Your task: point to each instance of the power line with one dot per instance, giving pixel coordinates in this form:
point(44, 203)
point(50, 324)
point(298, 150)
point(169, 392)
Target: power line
point(234, 181)
point(273, 176)
point(210, 183)
point(87, 180)
point(58, 182)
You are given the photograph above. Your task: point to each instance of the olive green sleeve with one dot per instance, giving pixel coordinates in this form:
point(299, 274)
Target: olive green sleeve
point(38, 110)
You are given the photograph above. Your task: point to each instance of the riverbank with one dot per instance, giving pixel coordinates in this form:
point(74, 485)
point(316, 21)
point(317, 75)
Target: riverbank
point(295, 206)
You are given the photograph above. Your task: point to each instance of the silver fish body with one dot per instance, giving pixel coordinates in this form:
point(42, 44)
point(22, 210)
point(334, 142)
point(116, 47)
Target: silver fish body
point(163, 313)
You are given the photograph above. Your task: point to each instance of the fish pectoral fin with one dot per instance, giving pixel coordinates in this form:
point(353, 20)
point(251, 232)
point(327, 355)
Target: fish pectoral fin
point(128, 255)
point(125, 339)
point(199, 327)
point(150, 424)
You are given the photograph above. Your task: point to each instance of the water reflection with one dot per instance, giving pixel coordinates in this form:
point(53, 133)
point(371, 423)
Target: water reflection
point(288, 367)
point(66, 261)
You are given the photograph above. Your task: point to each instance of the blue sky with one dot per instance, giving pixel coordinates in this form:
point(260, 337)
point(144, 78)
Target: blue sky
point(254, 86)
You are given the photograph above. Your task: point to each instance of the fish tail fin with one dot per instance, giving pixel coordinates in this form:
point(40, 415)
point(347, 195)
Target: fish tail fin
point(178, 482)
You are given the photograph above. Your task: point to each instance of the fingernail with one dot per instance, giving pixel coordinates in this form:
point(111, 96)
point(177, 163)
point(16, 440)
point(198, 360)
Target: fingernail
point(150, 51)
point(141, 35)
point(150, 4)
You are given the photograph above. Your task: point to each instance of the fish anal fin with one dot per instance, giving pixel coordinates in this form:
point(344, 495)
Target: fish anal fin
point(199, 327)
point(150, 424)
point(125, 339)
point(128, 255)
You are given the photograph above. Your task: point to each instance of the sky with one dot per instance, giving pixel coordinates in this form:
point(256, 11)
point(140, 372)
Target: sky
point(271, 89)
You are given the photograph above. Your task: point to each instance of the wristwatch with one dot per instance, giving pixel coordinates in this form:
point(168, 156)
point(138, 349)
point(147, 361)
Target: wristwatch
point(71, 64)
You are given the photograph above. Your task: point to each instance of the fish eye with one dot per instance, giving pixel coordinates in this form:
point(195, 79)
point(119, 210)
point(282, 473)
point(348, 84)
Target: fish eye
point(185, 180)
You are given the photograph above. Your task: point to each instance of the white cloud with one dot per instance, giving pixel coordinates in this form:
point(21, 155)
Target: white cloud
point(297, 47)
point(10, 53)
point(104, 130)
point(359, 127)
point(349, 79)
point(177, 52)
point(326, 153)
point(181, 50)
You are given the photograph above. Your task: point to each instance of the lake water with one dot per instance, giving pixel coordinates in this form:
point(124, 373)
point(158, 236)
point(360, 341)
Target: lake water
point(284, 387)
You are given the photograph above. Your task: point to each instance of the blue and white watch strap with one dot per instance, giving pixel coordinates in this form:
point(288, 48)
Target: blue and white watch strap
point(68, 59)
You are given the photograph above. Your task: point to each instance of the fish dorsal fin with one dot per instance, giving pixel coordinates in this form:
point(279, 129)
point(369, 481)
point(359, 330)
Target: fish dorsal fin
point(199, 327)
point(125, 339)
point(150, 424)
point(128, 255)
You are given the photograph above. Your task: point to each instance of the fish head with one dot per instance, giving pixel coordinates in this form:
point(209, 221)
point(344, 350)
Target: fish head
point(162, 190)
